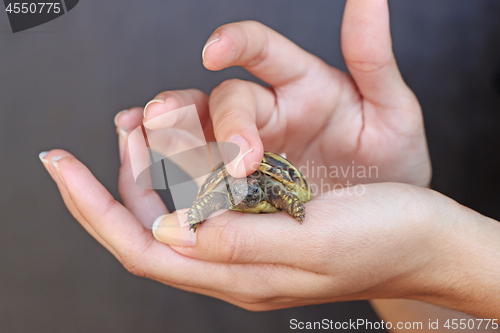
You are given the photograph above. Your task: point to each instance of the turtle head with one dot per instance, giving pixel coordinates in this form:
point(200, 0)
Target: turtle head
point(245, 193)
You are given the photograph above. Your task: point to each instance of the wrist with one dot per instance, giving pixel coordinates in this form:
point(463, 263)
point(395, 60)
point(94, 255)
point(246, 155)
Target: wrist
point(464, 273)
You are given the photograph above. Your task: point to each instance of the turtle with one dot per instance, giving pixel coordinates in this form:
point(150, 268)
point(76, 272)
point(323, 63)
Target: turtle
point(275, 186)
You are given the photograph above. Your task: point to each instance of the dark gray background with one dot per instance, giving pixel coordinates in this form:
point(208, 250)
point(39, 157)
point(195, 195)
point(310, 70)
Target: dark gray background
point(63, 82)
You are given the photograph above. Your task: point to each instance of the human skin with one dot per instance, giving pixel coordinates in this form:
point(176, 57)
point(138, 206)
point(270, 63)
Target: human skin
point(394, 241)
point(313, 112)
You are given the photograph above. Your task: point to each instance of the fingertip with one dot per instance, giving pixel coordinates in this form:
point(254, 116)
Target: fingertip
point(153, 108)
point(60, 163)
point(117, 117)
point(172, 100)
point(129, 118)
point(163, 103)
point(219, 50)
point(168, 229)
point(156, 225)
point(366, 32)
point(51, 160)
point(214, 38)
point(42, 158)
point(248, 158)
point(64, 165)
point(253, 159)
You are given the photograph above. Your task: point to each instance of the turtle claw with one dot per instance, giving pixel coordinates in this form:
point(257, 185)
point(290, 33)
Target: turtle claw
point(300, 213)
point(192, 220)
point(194, 226)
point(300, 218)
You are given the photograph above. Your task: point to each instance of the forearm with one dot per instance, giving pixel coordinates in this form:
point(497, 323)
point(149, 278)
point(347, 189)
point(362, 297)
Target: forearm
point(475, 266)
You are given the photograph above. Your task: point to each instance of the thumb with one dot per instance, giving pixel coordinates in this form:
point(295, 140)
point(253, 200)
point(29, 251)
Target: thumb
point(237, 238)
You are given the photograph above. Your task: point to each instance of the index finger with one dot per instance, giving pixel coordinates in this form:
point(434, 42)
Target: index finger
point(260, 50)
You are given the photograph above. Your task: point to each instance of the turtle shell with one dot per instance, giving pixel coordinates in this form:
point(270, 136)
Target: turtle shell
point(279, 168)
point(274, 167)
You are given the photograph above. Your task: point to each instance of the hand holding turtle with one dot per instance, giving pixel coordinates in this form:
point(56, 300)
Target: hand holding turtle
point(313, 112)
point(350, 247)
point(391, 242)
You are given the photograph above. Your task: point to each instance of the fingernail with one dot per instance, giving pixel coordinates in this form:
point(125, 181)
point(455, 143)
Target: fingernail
point(42, 155)
point(210, 41)
point(168, 229)
point(55, 160)
point(118, 115)
point(122, 138)
point(122, 132)
point(238, 164)
point(156, 100)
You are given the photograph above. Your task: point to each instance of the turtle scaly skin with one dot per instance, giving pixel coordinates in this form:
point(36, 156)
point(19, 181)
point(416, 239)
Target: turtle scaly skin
point(287, 201)
point(205, 206)
point(276, 185)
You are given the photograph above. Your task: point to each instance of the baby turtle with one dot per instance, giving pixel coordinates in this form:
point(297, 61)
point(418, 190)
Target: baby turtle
point(276, 185)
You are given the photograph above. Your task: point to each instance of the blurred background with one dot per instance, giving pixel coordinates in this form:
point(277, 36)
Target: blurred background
point(63, 82)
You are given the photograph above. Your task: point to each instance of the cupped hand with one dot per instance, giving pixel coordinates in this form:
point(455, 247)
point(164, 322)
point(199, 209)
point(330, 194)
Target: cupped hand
point(367, 241)
point(318, 115)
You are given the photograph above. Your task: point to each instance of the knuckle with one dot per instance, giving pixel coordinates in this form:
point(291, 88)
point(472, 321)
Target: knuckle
point(234, 106)
point(233, 245)
point(252, 299)
point(228, 86)
point(251, 32)
point(253, 23)
point(369, 66)
point(248, 302)
point(251, 295)
point(134, 259)
point(226, 120)
point(134, 267)
point(229, 243)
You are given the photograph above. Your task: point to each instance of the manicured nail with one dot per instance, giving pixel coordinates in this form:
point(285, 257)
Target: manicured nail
point(118, 115)
point(169, 230)
point(55, 159)
point(237, 164)
point(42, 156)
point(122, 139)
point(156, 100)
point(210, 41)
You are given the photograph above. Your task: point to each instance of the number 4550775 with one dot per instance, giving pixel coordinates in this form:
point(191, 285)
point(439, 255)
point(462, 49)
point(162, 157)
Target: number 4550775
point(477, 323)
point(39, 8)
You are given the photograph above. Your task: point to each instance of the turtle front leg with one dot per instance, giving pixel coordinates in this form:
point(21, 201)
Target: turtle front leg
point(285, 200)
point(206, 205)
